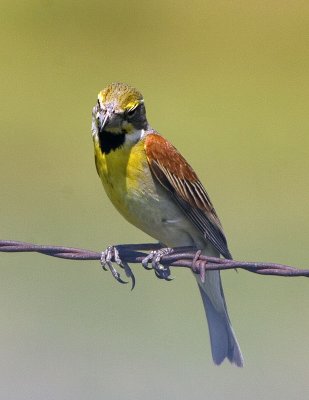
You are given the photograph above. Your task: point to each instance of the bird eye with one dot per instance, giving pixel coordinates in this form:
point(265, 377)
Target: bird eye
point(130, 113)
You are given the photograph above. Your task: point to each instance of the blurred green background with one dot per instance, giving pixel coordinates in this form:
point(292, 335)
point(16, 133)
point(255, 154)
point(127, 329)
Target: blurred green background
point(226, 82)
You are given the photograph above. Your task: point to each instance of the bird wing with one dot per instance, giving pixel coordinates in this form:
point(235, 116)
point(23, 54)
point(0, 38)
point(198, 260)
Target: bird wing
point(176, 175)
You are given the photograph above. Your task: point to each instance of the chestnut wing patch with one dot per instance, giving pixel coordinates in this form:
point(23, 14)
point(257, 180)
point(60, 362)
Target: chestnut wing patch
point(176, 176)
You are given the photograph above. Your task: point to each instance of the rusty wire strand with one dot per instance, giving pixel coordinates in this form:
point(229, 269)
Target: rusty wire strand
point(181, 257)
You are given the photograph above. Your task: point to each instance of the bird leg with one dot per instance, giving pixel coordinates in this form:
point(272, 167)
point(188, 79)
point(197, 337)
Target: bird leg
point(110, 255)
point(161, 271)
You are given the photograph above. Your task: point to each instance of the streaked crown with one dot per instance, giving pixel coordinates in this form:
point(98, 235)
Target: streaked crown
point(123, 96)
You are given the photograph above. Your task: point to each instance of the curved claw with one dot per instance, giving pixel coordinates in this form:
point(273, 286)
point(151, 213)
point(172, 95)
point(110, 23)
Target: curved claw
point(111, 253)
point(133, 282)
point(128, 272)
point(161, 272)
point(158, 275)
point(146, 267)
point(115, 273)
point(164, 274)
point(147, 260)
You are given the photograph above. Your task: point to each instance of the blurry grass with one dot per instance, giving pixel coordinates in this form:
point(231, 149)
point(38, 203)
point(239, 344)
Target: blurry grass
point(227, 83)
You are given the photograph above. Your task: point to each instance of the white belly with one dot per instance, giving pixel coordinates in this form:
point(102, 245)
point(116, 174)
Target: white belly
point(152, 209)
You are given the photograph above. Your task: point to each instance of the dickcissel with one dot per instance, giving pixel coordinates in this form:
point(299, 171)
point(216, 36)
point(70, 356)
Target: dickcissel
point(154, 188)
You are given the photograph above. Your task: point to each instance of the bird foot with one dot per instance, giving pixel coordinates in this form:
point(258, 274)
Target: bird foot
point(110, 255)
point(161, 271)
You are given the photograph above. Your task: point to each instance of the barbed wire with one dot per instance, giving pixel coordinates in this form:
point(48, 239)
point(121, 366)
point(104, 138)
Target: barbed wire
point(185, 257)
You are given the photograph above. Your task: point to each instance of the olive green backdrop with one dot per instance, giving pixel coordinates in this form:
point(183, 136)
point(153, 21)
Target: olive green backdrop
point(227, 83)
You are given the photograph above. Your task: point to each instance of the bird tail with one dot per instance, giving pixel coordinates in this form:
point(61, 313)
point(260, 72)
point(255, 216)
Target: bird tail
point(222, 337)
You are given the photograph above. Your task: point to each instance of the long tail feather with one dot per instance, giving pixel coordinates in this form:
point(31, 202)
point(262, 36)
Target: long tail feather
point(222, 337)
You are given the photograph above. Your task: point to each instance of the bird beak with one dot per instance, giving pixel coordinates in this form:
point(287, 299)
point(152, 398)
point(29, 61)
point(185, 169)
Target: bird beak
point(103, 119)
point(107, 118)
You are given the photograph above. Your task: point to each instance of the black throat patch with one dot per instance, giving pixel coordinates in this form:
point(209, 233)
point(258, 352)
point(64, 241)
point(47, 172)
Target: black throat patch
point(110, 141)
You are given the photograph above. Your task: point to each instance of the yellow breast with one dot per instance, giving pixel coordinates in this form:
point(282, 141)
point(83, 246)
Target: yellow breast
point(127, 180)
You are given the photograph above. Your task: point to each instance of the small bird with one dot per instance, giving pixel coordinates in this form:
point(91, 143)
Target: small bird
point(154, 188)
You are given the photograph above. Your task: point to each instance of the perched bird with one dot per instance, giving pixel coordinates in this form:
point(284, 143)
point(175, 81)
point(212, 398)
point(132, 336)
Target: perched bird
point(154, 188)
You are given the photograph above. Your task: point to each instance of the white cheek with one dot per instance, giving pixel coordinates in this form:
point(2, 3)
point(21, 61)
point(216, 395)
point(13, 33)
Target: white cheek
point(95, 129)
point(134, 137)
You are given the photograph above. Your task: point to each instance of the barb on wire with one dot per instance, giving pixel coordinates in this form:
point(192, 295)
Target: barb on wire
point(187, 257)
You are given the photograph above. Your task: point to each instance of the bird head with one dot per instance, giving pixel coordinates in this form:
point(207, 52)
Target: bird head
point(119, 110)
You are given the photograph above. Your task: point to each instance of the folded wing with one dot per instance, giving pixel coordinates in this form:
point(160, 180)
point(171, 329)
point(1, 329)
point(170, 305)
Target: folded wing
point(176, 175)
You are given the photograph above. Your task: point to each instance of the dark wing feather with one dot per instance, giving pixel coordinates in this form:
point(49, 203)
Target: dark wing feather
point(176, 175)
